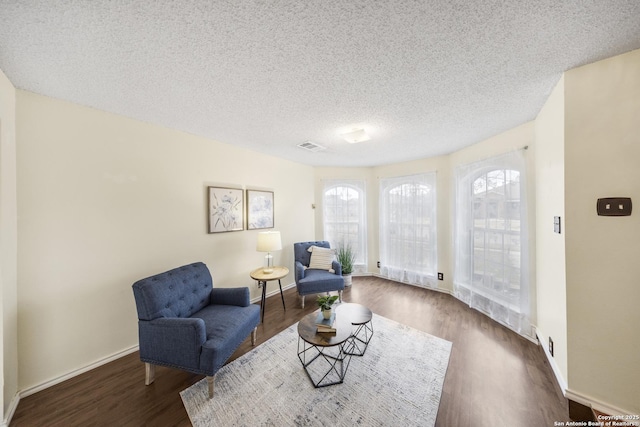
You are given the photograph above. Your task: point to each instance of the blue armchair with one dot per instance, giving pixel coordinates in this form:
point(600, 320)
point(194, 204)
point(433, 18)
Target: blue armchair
point(184, 323)
point(315, 280)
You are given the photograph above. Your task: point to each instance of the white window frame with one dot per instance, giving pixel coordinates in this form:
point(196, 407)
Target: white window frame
point(351, 220)
point(491, 254)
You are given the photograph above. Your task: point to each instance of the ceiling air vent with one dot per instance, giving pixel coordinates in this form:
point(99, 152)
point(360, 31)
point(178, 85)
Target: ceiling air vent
point(311, 146)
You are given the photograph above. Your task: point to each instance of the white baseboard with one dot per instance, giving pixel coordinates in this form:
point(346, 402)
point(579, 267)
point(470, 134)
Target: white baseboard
point(450, 292)
point(11, 410)
point(57, 380)
point(562, 383)
point(596, 404)
point(437, 289)
point(583, 399)
point(272, 293)
point(293, 285)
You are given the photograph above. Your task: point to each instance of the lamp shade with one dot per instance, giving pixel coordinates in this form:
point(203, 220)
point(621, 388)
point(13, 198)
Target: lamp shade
point(269, 241)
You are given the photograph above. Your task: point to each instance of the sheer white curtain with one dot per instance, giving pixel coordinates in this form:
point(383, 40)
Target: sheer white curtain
point(408, 229)
point(491, 268)
point(344, 217)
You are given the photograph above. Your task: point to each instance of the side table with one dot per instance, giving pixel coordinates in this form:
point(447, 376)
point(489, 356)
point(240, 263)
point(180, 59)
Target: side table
point(360, 317)
point(262, 278)
point(326, 349)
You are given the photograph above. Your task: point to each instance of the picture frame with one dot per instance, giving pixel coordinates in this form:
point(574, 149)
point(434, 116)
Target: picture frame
point(226, 209)
point(260, 209)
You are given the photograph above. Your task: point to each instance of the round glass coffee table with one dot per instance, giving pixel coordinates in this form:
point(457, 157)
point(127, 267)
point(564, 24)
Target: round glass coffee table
point(324, 355)
point(360, 317)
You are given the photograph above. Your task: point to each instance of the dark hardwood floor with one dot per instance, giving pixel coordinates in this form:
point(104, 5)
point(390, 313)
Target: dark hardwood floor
point(495, 377)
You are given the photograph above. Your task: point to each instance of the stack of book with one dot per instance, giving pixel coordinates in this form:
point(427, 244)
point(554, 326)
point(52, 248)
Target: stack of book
point(326, 325)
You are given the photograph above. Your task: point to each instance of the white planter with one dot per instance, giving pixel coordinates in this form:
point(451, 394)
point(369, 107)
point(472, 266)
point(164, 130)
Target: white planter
point(347, 279)
point(327, 313)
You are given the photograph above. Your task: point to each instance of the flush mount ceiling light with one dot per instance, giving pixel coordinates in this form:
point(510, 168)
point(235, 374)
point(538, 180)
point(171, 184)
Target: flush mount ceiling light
point(355, 136)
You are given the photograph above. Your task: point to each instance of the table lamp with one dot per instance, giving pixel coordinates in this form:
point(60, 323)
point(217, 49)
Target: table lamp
point(269, 241)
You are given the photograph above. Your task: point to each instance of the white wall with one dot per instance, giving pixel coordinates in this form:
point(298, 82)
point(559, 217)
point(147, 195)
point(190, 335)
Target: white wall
point(551, 275)
point(602, 159)
point(104, 201)
point(8, 243)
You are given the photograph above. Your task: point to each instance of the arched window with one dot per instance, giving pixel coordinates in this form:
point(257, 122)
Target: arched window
point(344, 217)
point(408, 246)
point(491, 240)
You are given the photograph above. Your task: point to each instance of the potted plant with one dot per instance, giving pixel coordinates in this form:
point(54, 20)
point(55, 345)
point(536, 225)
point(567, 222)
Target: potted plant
point(325, 302)
point(346, 257)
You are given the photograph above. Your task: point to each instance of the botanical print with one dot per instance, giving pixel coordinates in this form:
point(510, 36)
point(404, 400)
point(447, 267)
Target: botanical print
point(259, 209)
point(225, 209)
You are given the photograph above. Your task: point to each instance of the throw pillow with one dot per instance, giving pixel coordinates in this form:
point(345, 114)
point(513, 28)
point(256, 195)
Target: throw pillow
point(321, 258)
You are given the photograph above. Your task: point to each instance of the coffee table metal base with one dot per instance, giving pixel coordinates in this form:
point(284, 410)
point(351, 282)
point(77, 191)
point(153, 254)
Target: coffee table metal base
point(361, 320)
point(359, 341)
point(336, 359)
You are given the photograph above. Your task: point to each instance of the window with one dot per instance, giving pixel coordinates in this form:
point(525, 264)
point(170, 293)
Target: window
point(491, 256)
point(344, 217)
point(408, 229)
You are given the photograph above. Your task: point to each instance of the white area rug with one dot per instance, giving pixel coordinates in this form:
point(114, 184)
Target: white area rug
point(398, 382)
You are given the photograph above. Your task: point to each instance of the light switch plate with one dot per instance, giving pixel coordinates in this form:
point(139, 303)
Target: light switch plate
point(614, 206)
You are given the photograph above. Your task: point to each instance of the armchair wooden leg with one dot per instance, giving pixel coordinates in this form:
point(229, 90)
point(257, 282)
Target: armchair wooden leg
point(149, 373)
point(254, 335)
point(302, 299)
point(340, 295)
point(210, 384)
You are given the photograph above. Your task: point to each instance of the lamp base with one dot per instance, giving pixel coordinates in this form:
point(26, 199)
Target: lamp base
point(268, 264)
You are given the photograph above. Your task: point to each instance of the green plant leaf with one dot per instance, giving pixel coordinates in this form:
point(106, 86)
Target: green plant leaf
point(326, 301)
point(346, 257)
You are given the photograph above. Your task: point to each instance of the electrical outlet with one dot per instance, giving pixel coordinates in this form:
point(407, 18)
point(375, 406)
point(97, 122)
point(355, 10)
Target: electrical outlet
point(440, 276)
point(378, 264)
point(550, 346)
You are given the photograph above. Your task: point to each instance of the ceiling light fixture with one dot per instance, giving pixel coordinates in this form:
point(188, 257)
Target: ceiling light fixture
point(355, 136)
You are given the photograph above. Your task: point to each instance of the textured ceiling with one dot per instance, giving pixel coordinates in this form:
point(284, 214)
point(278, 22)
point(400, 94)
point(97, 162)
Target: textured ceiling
point(424, 78)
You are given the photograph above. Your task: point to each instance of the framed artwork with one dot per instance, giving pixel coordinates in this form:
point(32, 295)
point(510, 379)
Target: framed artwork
point(226, 208)
point(259, 209)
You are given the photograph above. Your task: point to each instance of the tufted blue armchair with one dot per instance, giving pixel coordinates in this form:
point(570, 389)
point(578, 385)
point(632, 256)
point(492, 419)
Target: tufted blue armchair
point(312, 281)
point(184, 323)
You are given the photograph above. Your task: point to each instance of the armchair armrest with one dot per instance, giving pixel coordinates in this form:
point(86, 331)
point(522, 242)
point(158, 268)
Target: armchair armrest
point(231, 296)
point(337, 267)
point(172, 340)
point(299, 271)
